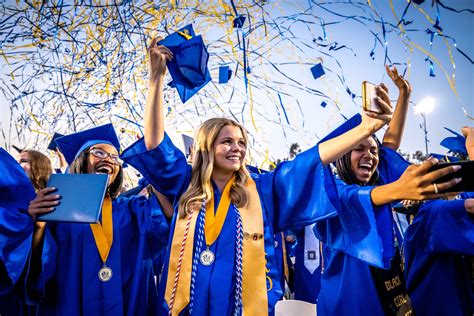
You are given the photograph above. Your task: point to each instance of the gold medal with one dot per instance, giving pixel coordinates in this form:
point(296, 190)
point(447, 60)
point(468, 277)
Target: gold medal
point(105, 274)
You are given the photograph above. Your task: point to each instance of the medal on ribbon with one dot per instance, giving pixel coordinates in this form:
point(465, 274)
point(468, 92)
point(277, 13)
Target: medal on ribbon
point(103, 237)
point(214, 222)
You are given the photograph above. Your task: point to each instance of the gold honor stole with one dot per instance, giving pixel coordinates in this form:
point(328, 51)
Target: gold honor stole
point(254, 286)
point(104, 234)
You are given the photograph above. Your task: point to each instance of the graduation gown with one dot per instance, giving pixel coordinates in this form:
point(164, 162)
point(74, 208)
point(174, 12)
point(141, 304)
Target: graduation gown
point(68, 283)
point(437, 248)
point(359, 237)
point(295, 194)
point(308, 266)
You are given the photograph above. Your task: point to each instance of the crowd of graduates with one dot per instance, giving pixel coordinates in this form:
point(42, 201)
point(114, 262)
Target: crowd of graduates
point(209, 235)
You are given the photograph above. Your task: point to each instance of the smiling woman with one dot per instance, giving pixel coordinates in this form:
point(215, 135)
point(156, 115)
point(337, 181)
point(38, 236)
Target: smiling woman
point(211, 268)
point(100, 159)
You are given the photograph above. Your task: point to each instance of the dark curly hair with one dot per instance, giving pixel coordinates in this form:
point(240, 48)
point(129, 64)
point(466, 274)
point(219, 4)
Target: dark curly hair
point(79, 165)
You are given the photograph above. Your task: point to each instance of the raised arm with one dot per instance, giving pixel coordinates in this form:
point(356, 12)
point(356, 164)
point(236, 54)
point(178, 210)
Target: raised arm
point(468, 132)
point(393, 136)
point(154, 122)
point(334, 148)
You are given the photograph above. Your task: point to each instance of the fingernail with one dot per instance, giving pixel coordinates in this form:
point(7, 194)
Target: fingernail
point(52, 208)
point(456, 167)
point(435, 160)
point(457, 180)
point(57, 196)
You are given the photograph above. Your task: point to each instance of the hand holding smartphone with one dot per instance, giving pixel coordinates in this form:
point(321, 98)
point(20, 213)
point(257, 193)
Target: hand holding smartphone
point(466, 173)
point(369, 96)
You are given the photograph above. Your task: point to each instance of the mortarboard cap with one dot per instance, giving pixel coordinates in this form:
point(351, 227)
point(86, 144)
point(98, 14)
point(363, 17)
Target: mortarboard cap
point(257, 170)
point(224, 74)
point(52, 145)
point(317, 71)
point(188, 144)
point(16, 190)
point(18, 149)
point(72, 145)
point(188, 68)
point(238, 22)
point(344, 127)
point(455, 144)
point(444, 157)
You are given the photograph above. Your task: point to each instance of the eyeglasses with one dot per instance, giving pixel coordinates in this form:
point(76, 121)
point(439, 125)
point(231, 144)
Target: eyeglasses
point(102, 154)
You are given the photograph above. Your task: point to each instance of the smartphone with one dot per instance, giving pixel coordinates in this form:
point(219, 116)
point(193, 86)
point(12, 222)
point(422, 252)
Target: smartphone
point(368, 97)
point(466, 173)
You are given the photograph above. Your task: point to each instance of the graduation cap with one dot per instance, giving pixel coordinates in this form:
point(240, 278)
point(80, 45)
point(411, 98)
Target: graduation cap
point(239, 21)
point(188, 68)
point(444, 157)
point(317, 71)
point(257, 170)
point(72, 145)
point(344, 127)
point(455, 144)
point(188, 144)
point(16, 190)
point(52, 145)
point(18, 149)
point(224, 74)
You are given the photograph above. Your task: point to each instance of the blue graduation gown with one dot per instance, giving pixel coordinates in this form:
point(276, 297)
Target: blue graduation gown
point(16, 191)
point(68, 283)
point(307, 285)
point(140, 231)
point(437, 277)
point(359, 237)
point(295, 194)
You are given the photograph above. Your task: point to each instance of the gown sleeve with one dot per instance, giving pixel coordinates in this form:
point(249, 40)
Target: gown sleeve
point(164, 167)
point(151, 221)
point(361, 230)
point(298, 192)
point(15, 242)
point(391, 165)
point(442, 227)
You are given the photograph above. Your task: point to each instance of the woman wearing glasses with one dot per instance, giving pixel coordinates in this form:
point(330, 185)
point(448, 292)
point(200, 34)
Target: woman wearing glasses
point(96, 269)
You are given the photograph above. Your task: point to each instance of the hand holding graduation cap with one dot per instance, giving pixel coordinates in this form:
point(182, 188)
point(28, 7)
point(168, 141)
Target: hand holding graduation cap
point(158, 55)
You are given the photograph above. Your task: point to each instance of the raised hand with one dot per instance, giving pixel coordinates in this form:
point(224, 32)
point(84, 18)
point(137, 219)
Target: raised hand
point(158, 56)
point(468, 132)
point(402, 84)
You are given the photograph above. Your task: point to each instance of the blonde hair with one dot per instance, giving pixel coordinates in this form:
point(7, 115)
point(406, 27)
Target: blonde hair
point(200, 187)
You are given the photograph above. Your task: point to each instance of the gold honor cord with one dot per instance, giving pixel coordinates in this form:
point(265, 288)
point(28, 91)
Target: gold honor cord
point(103, 237)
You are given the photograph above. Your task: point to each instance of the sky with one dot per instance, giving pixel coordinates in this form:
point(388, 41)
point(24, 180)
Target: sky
point(281, 111)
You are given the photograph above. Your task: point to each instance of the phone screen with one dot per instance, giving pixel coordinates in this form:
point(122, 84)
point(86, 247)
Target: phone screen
point(465, 173)
point(368, 97)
